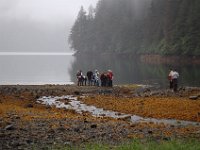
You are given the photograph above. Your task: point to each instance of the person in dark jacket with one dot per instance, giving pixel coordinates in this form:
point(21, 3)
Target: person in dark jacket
point(103, 79)
point(89, 77)
point(79, 77)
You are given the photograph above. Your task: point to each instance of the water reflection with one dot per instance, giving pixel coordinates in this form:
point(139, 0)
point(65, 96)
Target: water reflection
point(131, 70)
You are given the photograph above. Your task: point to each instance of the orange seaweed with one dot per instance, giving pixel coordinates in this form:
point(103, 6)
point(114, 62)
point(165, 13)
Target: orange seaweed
point(157, 107)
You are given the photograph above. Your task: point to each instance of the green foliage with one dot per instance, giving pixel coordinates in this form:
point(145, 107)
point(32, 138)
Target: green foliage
point(135, 145)
point(151, 145)
point(139, 27)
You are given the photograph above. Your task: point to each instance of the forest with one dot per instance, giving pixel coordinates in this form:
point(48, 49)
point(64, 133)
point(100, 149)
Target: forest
point(137, 27)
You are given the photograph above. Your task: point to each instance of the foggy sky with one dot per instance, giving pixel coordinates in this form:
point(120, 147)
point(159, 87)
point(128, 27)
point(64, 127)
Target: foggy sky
point(38, 25)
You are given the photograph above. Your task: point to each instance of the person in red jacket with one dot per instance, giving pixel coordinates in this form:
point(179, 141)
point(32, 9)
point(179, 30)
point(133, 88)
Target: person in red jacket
point(110, 78)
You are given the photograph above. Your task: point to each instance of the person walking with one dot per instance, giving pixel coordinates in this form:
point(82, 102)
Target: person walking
point(175, 76)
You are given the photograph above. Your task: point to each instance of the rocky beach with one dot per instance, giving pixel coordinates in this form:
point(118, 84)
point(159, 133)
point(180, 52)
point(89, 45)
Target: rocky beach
point(27, 122)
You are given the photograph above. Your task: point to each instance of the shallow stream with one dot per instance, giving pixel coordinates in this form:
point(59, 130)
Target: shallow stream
point(72, 102)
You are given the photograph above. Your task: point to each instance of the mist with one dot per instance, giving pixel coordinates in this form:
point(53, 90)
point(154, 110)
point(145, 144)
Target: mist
point(141, 7)
point(38, 25)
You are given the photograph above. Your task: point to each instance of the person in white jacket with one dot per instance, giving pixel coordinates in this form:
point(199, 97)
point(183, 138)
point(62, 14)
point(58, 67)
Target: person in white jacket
point(170, 79)
point(96, 78)
point(175, 76)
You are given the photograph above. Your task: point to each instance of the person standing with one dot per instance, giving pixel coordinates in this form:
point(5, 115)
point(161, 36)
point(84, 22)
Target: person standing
point(170, 79)
point(89, 76)
point(110, 78)
point(96, 78)
point(79, 77)
point(175, 76)
point(103, 79)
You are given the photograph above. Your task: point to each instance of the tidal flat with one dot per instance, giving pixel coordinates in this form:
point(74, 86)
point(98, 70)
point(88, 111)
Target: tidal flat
point(26, 123)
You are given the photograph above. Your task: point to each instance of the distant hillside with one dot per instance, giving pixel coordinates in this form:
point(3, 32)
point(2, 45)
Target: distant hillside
point(164, 27)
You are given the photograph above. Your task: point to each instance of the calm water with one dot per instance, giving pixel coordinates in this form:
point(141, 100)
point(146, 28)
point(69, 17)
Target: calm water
point(131, 71)
point(22, 69)
point(35, 69)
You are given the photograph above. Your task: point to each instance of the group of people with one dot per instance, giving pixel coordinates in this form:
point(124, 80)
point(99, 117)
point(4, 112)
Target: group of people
point(106, 79)
point(94, 78)
point(173, 80)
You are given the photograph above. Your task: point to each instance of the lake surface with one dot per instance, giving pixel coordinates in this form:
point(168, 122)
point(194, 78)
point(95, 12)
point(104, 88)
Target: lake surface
point(35, 69)
point(61, 69)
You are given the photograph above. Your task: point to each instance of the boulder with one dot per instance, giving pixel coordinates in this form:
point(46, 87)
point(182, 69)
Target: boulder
point(193, 97)
point(9, 127)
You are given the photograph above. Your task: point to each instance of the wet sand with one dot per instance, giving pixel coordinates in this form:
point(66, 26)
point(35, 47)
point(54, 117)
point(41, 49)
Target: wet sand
point(25, 123)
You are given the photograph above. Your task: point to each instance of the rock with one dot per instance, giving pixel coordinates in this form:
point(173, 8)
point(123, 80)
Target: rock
point(166, 138)
point(77, 130)
point(127, 118)
point(77, 93)
point(15, 117)
point(29, 106)
point(61, 129)
point(48, 107)
point(105, 92)
point(29, 141)
point(150, 132)
point(37, 97)
point(10, 127)
point(51, 131)
point(67, 143)
point(193, 97)
point(85, 121)
point(147, 90)
point(66, 103)
point(93, 126)
point(22, 97)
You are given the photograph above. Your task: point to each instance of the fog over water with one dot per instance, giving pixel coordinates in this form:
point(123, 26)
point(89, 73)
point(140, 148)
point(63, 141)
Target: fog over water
point(38, 25)
point(33, 40)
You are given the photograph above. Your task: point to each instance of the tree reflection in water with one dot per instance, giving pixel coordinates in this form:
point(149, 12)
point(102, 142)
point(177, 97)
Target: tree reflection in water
point(132, 71)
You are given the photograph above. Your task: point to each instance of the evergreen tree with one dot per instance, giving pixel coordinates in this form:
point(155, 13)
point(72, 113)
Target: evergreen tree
point(166, 27)
point(78, 31)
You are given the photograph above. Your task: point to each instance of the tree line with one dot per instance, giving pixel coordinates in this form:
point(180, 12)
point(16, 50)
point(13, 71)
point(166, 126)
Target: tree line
point(164, 27)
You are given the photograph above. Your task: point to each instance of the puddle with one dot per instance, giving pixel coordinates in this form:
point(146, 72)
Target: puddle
point(71, 102)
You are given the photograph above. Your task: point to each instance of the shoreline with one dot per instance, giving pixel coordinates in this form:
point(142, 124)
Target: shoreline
point(150, 58)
